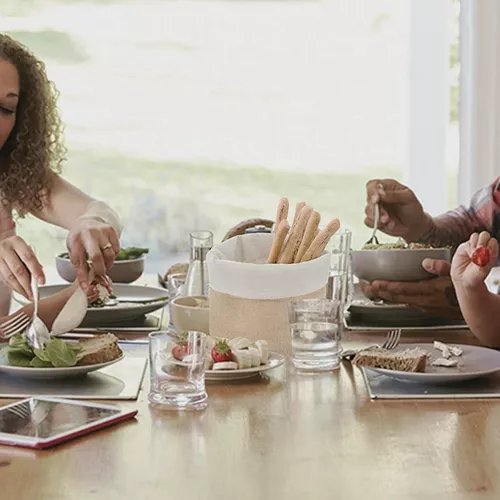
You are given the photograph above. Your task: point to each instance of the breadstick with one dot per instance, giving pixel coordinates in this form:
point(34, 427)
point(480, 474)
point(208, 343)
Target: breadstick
point(319, 243)
point(282, 212)
point(298, 208)
point(295, 237)
point(279, 239)
point(309, 235)
point(292, 230)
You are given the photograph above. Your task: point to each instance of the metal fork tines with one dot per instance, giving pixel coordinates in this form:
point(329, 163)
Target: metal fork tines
point(14, 325)
point(391, 342)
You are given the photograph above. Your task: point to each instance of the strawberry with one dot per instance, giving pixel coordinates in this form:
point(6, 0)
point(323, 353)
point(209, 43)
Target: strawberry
point(180, 351)
point(481, 256)
point(221, 352)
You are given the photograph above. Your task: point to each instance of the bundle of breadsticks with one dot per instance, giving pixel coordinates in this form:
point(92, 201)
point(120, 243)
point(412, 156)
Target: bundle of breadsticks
point(303, 241)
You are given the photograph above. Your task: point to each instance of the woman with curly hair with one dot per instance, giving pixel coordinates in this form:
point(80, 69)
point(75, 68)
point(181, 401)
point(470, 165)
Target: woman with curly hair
point(31, 155)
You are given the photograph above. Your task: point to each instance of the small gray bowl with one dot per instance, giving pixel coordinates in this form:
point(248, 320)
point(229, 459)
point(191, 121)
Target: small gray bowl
point(122, 271)
point(395, 264)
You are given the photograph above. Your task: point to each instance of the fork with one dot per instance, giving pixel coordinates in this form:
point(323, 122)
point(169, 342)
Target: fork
point(376, 220)
point(14, 325)
point(391, 342)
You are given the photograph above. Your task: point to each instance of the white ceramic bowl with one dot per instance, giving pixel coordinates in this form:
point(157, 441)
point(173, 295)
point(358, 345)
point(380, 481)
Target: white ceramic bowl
point(395, 264)
point(188, 314)
point(122, 271)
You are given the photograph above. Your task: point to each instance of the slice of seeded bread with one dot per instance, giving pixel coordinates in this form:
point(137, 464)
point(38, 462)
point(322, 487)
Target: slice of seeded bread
point(100, 349)
point(409, 360)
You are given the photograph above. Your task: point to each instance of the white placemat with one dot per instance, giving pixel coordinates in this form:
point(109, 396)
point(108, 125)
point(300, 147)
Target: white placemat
point(121, 381)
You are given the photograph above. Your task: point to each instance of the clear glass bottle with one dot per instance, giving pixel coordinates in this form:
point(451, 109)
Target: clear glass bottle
point(197, 276)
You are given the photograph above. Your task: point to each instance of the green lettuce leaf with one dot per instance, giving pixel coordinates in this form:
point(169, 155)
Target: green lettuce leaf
point(39, 363)
point(60, 354)
point(18, 359)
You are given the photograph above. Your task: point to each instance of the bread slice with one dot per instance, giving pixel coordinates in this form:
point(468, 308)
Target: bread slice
point(100, 349)
point(409, 360)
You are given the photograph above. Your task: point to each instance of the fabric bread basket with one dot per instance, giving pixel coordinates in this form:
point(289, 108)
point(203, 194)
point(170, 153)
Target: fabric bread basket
point(249, 298)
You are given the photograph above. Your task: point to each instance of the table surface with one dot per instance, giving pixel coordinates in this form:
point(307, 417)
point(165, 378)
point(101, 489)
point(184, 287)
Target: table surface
point(285, 436)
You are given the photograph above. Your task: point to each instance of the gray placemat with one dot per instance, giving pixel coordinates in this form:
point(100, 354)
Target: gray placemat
point(121, 381)
point(357, 324)
point(382, 387)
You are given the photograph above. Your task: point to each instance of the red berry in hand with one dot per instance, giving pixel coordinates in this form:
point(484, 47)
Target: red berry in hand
point(221, 352)
point(481, 256)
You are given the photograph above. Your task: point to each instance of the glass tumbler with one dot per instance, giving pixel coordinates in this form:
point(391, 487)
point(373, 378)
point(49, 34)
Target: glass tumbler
point(177, 370)
point(315, 326)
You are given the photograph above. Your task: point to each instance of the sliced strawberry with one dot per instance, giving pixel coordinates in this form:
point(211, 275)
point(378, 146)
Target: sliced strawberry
point(221, 352)
point(481, 256)
point(180, 351)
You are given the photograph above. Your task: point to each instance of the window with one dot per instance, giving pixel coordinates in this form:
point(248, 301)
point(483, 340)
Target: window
point(198, 114)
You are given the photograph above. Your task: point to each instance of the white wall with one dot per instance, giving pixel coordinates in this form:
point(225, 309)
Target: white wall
point(479, 95)
point(428, 87)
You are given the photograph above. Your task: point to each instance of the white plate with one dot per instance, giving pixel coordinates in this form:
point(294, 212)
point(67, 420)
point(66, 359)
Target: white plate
point(475, 362)
point(49, 373)
point(124, 311)
point(274, 361)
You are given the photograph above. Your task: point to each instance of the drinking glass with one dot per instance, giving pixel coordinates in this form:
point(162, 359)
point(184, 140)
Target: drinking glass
point(340, 283)
point(315, 326)
point(177, 370)
point(175, 284)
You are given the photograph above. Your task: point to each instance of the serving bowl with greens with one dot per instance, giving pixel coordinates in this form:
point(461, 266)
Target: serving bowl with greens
point(128, 266)
point(395, 261)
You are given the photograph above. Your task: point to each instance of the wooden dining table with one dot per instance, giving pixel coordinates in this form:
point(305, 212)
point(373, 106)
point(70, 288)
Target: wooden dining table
point(285, 435)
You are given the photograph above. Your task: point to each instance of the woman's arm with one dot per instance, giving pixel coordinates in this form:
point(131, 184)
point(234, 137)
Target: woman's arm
point(94, 227)
point(481, 311)
point(470, 267)
point(66, 205)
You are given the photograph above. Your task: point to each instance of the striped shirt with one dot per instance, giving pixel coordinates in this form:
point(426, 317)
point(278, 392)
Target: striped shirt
point(483, 214)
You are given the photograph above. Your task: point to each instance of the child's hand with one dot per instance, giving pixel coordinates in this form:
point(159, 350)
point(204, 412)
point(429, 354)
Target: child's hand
point(473, 260)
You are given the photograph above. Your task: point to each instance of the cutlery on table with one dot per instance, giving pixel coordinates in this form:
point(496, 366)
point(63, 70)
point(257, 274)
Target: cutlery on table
point(37, 334)
point(391, 342)
point(376, 220)
point(14, 325)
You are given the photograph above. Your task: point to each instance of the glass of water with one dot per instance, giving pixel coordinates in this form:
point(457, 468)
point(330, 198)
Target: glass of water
point(315, 327)
point(177, 370)
point(175, 284)
point(340, 283)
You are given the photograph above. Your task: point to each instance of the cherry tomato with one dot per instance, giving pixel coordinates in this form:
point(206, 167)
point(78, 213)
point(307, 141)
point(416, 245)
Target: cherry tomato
point(481, 256)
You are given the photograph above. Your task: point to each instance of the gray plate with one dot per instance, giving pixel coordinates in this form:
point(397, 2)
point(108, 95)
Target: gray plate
point(49, 373)
point(366, 314)
point(475, 362)
point(119, 313)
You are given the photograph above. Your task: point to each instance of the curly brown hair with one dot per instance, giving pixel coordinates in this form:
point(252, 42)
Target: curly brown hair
point(34, 149)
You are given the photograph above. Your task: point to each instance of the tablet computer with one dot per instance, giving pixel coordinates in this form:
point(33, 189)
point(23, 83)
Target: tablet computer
point(41, 422)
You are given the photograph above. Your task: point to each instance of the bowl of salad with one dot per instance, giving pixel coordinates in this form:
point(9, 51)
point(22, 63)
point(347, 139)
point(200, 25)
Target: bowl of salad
point(128, 266)
point(395, 261)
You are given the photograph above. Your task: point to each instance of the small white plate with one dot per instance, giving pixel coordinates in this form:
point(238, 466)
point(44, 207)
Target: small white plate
point(475, 362)
point(49, 373)
point(274, 361)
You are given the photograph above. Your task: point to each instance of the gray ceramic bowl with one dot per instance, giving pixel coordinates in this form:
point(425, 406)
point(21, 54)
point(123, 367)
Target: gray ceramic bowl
point(395, 264)
point(191, 313)
point(122, 271)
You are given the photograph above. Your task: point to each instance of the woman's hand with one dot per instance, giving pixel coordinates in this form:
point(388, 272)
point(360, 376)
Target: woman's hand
point(474, 260)
point(93, 290)
point(401, 213)
point(18, 263)
point(94, 240)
